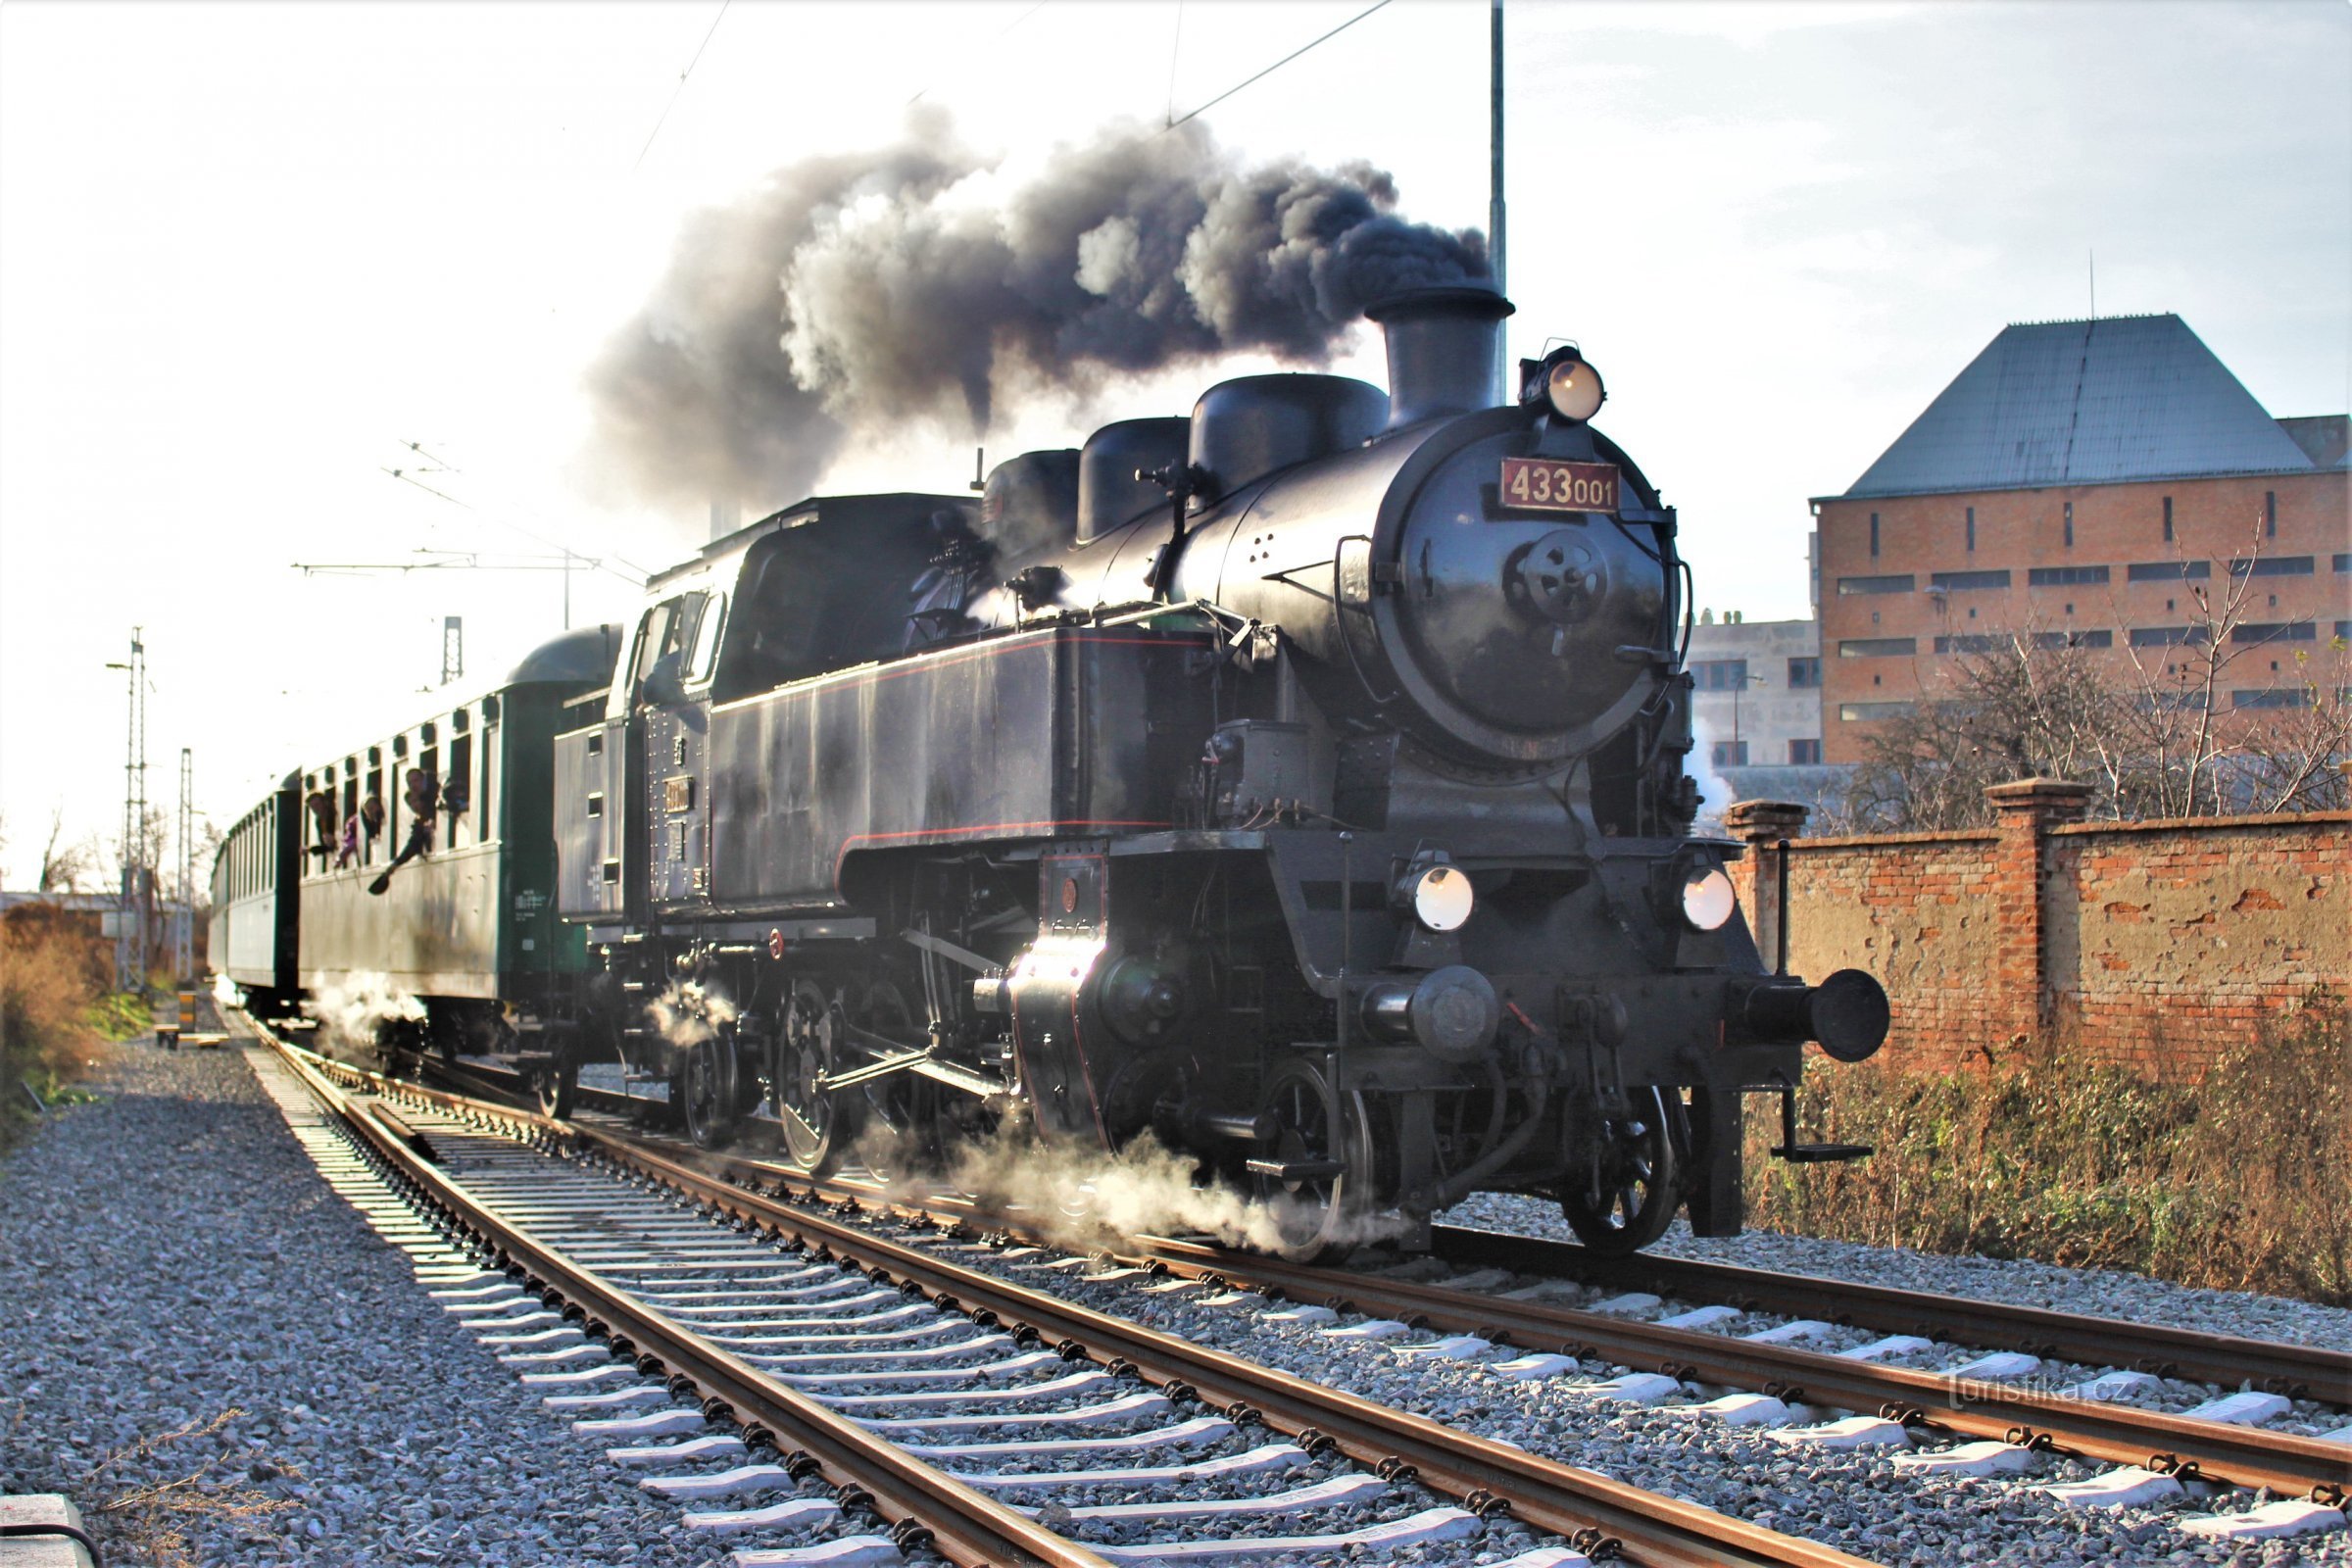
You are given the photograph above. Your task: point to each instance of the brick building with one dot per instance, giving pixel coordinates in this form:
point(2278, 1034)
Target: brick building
point(2076, 484)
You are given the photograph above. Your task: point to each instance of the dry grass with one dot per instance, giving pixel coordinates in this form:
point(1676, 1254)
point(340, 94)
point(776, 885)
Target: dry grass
point(2240, 1182)
point(50, 978)
point(155, 1519)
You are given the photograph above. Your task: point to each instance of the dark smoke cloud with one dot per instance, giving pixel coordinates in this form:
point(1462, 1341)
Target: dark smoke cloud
point(863, 291)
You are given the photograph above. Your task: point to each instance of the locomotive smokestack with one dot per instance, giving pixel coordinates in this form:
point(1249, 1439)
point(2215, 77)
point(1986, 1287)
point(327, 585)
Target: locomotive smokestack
point(1440, 349)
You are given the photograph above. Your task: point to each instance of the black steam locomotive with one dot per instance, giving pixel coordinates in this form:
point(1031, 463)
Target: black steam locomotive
point(1300, 782)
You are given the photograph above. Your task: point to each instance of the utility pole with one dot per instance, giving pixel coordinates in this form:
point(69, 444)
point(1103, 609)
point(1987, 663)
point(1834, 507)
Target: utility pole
point(1494, 214)
point(453, 643)
point(138, 877)
point(184, 919)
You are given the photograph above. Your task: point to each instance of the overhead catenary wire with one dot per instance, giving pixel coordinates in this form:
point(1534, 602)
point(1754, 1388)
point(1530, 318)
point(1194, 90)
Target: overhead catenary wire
point(679, 91)
point(996, 39)
point(444, 465)
point(1196, 114)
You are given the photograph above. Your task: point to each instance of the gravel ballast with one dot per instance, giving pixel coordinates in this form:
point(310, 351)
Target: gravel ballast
point(170, 1252)
point(1857, 1501)
point(2104, 1293)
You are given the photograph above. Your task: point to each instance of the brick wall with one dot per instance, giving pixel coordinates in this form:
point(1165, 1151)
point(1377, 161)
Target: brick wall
point(2155, 944)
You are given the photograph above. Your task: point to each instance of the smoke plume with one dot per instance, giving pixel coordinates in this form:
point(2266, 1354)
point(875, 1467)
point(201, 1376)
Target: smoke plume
point(856, 292)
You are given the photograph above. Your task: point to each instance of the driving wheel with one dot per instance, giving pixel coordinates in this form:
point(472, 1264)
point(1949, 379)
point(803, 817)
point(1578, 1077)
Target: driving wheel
point(894, 1137)
point(559, 1082)
point(1625, 1194)
point(813, 1122)
point(710, 1091)
point(1314, 1177)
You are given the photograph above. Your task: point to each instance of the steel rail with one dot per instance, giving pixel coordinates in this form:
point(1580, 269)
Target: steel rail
point(1596, 1514)
point(2183, 1445)
point(1980, 1408)
point(928, 1506)
point(2295, 1370)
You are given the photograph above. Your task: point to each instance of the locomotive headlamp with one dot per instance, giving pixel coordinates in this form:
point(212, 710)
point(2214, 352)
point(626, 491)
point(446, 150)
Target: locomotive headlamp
point(1707, 898)
point(1573, 388)
point(1439, 896)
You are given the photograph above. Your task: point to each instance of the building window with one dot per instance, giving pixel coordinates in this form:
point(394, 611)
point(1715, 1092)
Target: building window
point(1876, 647)
point(1971, 643)
point(1903, 584)
point(1865, 713)
point(1804, 753)
point(2168, 519)
point(2343, 561)
point(2274, 567)
point(2167, 636)
point(1720, 674)
point(1972, 529)
point(1729, 754)
point(1803, 673)
point(2271, 697)
point(2065, 577)
point(2074, 639)
point(2288, 631)
point(1874, 533)
point(2269, 515)
point(2070, 526)
point(1965, 580)
point(2168, 572)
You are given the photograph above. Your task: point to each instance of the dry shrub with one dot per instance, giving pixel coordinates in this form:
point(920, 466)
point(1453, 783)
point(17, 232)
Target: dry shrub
point(51, 975)
point(155, 1518)
point(2240, 1182)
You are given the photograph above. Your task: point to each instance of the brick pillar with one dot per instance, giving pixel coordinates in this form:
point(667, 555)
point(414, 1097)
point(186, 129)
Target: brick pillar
point(1761, 825)
point(2025, 810)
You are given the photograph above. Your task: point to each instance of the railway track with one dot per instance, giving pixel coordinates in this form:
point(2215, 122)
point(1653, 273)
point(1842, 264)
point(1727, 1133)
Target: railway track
point(2295, 1371)
point(853, 1355)
point(2004, 1423)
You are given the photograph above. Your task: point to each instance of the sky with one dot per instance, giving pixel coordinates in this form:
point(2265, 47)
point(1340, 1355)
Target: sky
point(249, 253)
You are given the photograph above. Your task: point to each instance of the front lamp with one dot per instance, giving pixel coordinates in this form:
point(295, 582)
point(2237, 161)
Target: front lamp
point(1708, 899)
point(1573, 388)
point(1439, 896)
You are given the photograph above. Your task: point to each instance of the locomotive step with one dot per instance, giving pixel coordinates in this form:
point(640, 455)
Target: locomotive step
point(1295, 1170)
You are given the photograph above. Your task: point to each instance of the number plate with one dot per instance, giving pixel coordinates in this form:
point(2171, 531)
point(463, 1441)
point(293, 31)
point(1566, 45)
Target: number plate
point(1539, 484)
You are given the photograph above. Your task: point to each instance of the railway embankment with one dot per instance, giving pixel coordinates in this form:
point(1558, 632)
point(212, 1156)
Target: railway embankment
point(219, 1359)
point(2240, 1179)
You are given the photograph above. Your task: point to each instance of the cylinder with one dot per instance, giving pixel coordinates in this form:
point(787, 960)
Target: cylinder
point(1450, 1013)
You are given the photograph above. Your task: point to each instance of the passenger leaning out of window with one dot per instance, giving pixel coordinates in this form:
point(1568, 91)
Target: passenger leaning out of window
point(423, 799)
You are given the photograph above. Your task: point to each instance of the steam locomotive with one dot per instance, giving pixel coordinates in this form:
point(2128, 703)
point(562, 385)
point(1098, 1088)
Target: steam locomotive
point(1300, 783)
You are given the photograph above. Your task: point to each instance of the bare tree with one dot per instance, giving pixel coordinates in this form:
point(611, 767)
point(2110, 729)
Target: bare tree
point(2192, 750)
point(2159, 733)
point(67, 867)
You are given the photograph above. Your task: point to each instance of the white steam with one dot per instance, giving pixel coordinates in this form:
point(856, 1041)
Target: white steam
point(688, 1014)
point(224, 992)
point(1715, 793)
point(1082, 1197)
point(355, 1010)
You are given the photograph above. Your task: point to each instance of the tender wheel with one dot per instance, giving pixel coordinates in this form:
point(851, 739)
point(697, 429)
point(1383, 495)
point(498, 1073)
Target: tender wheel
point(1625, 1196)
point(710, 1091)
point(814, 1124)
point(1324, 1139)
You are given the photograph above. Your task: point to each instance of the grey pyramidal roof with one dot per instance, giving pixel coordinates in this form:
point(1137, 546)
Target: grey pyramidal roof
point(2115, 398)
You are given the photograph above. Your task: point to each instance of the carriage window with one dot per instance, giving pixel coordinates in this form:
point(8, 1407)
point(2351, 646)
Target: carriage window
point(706, 639)
point(485, 824)
point(457, 793)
